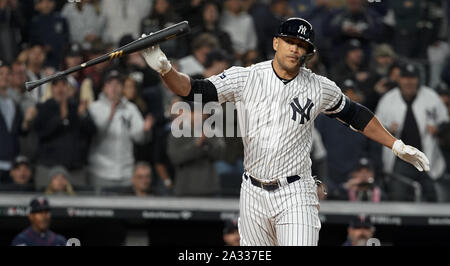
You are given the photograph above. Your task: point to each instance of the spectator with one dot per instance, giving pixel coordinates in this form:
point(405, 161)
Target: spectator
point(413, 113)
point(119, 124)
point(162, 16)
point(318, 15)
point(39, 234)
point(359, 231)
point(50, 29)
point(210, 24)
point(231, 234)
point(268, 20)
point(12, 124)
point(59, 183)
point(28, 143)
point(140, 182)
point(239, 25)
point(64, 128)
point(344, 147)
point(407, 15)
point(250, 58)
point(190, 10)
point(193, 158)
point(216, 62)
point(36, 55)
point(378, 82)
point(316, 65)
point(20, 176)
point(362, 184)
point(353, 66)
point(17, 87)
point(444, 129)
point(353, 22)
point(123, 17)
point(195, 64)
point(94, 75)
point(85, 23)
point(77, 89)
point(11, 23)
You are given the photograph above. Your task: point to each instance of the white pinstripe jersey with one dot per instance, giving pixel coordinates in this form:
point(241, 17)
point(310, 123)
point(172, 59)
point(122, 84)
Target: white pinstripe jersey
point(276, 118)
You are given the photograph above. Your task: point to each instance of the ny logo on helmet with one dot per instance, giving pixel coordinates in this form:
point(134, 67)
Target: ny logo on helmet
point(302, 29)
point(305, 112)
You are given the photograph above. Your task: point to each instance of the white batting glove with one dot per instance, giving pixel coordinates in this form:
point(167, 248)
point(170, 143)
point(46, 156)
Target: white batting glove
point(156, 59)
point(411, 155)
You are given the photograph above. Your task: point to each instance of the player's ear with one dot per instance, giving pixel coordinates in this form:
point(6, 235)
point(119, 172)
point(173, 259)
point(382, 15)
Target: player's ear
point(275, 43)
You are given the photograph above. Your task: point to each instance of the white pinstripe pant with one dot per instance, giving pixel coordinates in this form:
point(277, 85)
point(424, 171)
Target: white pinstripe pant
point(287, 216)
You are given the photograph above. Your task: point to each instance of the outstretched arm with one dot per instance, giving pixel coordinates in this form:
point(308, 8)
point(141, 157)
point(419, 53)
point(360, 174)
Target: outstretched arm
point(361, 119)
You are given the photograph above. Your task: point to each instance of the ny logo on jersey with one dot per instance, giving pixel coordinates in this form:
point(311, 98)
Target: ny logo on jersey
point(302, 29)
point(297, 108)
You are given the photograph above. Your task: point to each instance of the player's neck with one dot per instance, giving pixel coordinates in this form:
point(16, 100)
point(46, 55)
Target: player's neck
point(282, 72)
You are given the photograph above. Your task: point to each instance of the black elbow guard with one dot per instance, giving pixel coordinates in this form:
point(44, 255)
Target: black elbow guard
point(203, 87)
point(355, 115)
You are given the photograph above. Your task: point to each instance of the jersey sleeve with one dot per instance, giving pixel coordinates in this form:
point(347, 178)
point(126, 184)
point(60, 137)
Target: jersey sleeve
point(230, 84)
point(333, 100)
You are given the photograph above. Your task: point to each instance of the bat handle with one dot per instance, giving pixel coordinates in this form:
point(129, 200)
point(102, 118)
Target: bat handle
point(30, 85)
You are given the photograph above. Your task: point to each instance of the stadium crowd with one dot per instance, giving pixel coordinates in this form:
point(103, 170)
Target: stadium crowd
point(107, 129)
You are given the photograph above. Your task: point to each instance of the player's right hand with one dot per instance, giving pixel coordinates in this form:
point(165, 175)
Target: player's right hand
point(156, 59)
point(411, 155)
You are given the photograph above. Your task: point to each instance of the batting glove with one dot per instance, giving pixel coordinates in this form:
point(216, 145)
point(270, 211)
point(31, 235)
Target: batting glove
point(156, 59)
point(411, 155)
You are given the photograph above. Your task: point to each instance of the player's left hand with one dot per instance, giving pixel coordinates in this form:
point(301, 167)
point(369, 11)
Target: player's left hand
point(411, 155)
point(156, 59)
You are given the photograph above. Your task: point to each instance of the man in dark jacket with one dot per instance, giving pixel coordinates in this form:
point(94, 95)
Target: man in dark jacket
point(63, 127)
point(50, 29)
point(12, 125)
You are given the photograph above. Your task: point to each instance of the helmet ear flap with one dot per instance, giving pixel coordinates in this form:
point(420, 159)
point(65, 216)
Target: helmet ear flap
point(306, 57)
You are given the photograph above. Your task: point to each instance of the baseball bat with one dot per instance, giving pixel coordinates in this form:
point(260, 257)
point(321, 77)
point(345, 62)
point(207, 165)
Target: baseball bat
point(174, 31)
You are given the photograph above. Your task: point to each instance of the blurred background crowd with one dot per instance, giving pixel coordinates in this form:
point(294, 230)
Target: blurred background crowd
point(106, 130)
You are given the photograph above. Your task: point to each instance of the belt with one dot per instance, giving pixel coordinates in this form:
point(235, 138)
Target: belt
point(270, 186)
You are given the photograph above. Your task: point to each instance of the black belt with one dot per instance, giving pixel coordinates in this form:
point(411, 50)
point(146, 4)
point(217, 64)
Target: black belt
point(270, 186)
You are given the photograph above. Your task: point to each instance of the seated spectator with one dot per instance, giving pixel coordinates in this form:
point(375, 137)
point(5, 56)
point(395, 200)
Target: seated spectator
point(12, 124)
point(362, 184)
point(123, 18)
point(119, 124)
point(239, 25)
point(50, 29)
point(39, 234)
point(193, 158)
point(64, 128)
point(59, 183)
point(195, 64)
point(86, 24)
point(413, 113)
point(359, 231)
point(20, 176)
point(231, 234)
point(140, 182)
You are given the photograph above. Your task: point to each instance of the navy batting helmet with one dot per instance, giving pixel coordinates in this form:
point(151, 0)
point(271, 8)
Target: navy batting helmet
point(298, 28)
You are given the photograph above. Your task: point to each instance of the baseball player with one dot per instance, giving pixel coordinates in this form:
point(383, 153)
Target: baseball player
point(277, 102)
